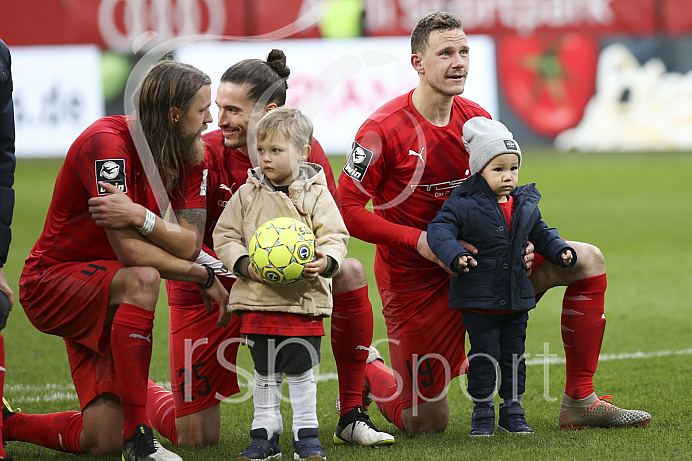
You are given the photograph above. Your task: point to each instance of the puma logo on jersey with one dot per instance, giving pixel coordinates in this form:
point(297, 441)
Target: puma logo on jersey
point(418, 154)
point(146, 338)
point(225, 187)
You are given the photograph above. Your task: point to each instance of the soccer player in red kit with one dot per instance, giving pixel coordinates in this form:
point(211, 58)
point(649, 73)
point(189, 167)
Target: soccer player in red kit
point(93, 277)
point(407, 158)
point(191, 415)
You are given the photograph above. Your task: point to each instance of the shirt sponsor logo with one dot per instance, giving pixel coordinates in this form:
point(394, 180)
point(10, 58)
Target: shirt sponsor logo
point(418, 154)
point(440, 189)
point(111, 171)
point(358, 162)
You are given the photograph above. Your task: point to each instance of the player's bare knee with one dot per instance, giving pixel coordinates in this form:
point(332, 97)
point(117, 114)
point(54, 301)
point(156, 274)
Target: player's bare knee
point(200, 428)
point(427, 424)
point(102, 442)
point(110, 447)
point(427, 417)
point(590, 259)
point(197, 438)
point(142, 287)
point(351, 276)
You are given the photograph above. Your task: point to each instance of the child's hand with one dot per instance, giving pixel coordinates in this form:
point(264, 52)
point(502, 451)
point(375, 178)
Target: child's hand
point(465, 263)
point(566, 257)
point(316, 267)
point(253, 274)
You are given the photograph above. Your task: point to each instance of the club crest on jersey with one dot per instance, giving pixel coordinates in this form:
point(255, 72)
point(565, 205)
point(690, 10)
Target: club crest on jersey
point(358, 162)
point(111, 171)
point(510, 144)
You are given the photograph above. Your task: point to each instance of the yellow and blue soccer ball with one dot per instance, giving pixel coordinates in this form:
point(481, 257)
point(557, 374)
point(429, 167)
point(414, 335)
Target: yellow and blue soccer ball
point(280, 248)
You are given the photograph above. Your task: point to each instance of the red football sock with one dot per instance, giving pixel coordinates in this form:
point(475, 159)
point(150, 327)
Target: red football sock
point(383, 388)
point(131, 346)
point(351, 337)
point(161, 411)
point(57, 431)
point(2, 386)
point(583, 323)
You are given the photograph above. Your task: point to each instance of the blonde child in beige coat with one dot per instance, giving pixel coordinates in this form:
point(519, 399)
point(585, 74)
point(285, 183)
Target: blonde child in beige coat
point(283, 323)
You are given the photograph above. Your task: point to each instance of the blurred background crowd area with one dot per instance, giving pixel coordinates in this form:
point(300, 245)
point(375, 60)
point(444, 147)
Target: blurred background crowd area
point(584, 75)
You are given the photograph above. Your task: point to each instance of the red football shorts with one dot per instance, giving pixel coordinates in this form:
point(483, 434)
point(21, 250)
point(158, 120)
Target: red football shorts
point(426, 341)
point(71, 300)
point(93, 374)
point(202, 358)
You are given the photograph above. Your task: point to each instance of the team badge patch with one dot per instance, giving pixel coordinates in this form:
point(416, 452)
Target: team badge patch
point(358, 162)
point(111, 171)
point(510, 144)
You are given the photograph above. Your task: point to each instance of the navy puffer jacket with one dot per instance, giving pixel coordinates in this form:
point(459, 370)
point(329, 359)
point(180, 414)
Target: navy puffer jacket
point(499, 282)
point(7, 159)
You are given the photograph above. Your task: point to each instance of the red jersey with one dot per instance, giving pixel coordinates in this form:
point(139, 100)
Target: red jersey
point(226, 170)
point(407, 167)
point(103, 152)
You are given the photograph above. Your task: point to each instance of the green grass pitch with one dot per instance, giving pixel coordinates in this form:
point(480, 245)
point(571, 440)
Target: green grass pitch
point(633, 206)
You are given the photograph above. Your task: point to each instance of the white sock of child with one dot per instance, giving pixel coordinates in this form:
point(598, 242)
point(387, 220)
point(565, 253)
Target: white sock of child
point(303, 393)
point(267, 400)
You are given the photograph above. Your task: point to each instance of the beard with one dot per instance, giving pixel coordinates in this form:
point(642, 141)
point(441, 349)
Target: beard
point(191, 149)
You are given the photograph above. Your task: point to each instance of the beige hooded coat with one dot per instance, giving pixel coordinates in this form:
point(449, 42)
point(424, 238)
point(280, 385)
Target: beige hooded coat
point(255, 203)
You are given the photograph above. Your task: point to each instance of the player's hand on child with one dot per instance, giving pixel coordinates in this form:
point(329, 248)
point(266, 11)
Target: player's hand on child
point(567, 257)
point(424, 250)
point(115, 210)
point(528, 258)
point(314, 268)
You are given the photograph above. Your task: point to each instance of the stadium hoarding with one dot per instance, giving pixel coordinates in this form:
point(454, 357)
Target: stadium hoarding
point(339, 83)
point(120, 24)
point(57, 94)
point(544, 52)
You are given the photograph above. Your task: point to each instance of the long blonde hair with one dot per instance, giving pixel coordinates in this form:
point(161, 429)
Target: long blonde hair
point(168, 84)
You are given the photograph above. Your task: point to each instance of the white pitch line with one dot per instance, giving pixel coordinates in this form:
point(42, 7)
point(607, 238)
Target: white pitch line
point(65, 391)
point(612, 357)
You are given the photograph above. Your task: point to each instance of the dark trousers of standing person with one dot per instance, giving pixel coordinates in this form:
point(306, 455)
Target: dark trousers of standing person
point(496, 340)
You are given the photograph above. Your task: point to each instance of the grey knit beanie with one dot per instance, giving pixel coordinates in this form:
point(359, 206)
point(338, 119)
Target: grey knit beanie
point(485, 139)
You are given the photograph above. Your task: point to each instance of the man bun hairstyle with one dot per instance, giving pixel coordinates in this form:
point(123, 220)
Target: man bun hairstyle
point(432, 22)
point(268, 80)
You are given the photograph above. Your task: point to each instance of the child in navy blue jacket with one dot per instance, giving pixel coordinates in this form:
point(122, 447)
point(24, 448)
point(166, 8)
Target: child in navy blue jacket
point(489, 211)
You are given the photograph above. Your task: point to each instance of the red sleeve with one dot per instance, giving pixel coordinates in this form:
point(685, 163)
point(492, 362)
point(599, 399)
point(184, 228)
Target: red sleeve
point(354, 195)
point(192, 192)
point(102, 156)
point(318, 156)
point(367, 226)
